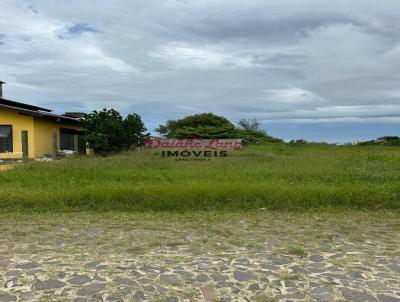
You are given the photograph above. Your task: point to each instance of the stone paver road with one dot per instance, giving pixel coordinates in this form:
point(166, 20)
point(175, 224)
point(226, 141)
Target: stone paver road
point(235, 258)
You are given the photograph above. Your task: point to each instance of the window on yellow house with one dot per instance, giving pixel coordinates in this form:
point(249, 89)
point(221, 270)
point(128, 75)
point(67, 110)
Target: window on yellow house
point(6, 143)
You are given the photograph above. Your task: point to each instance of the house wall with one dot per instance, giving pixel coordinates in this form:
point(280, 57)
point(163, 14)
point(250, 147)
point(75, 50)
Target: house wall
point(40, 132)
point(43, 130)
point(19, 123)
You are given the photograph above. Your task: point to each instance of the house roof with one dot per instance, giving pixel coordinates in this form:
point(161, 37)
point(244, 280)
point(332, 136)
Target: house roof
point(22, 105)
point(35, 111)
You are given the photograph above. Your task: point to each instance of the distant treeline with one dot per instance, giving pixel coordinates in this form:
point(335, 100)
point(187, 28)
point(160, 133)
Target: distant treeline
point(383, 141)
point(108, 132)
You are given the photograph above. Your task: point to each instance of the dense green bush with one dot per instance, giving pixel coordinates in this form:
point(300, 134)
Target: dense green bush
point(209, 125)
point(107, 132)
point(251, 133)
point(250, 136)
point(205, 125)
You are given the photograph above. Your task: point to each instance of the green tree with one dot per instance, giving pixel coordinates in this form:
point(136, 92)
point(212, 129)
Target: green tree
point(134, 131)
point(205, 125)
point(107, 132)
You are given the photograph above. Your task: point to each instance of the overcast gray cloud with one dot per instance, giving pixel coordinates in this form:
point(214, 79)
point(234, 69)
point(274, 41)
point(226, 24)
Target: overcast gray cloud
point(284, 62)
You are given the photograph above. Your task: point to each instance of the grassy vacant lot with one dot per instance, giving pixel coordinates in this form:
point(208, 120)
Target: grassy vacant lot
point(274, 177)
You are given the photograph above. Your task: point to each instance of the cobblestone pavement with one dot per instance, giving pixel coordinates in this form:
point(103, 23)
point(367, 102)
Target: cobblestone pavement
point(235, 258)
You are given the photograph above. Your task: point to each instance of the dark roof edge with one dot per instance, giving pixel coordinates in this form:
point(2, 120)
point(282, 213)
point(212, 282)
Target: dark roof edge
point(23, 105)
point(42, 114)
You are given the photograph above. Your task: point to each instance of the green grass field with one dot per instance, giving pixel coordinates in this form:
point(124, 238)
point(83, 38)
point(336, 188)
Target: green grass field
point(271, 177)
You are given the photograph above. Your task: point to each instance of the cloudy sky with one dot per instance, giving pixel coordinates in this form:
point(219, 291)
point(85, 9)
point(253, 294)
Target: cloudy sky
point(315, 69)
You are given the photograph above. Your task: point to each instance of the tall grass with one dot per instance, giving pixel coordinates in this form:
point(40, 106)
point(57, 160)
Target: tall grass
point(274, 177)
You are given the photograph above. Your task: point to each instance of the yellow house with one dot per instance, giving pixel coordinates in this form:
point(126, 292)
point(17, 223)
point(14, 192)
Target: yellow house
point(28, 131)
